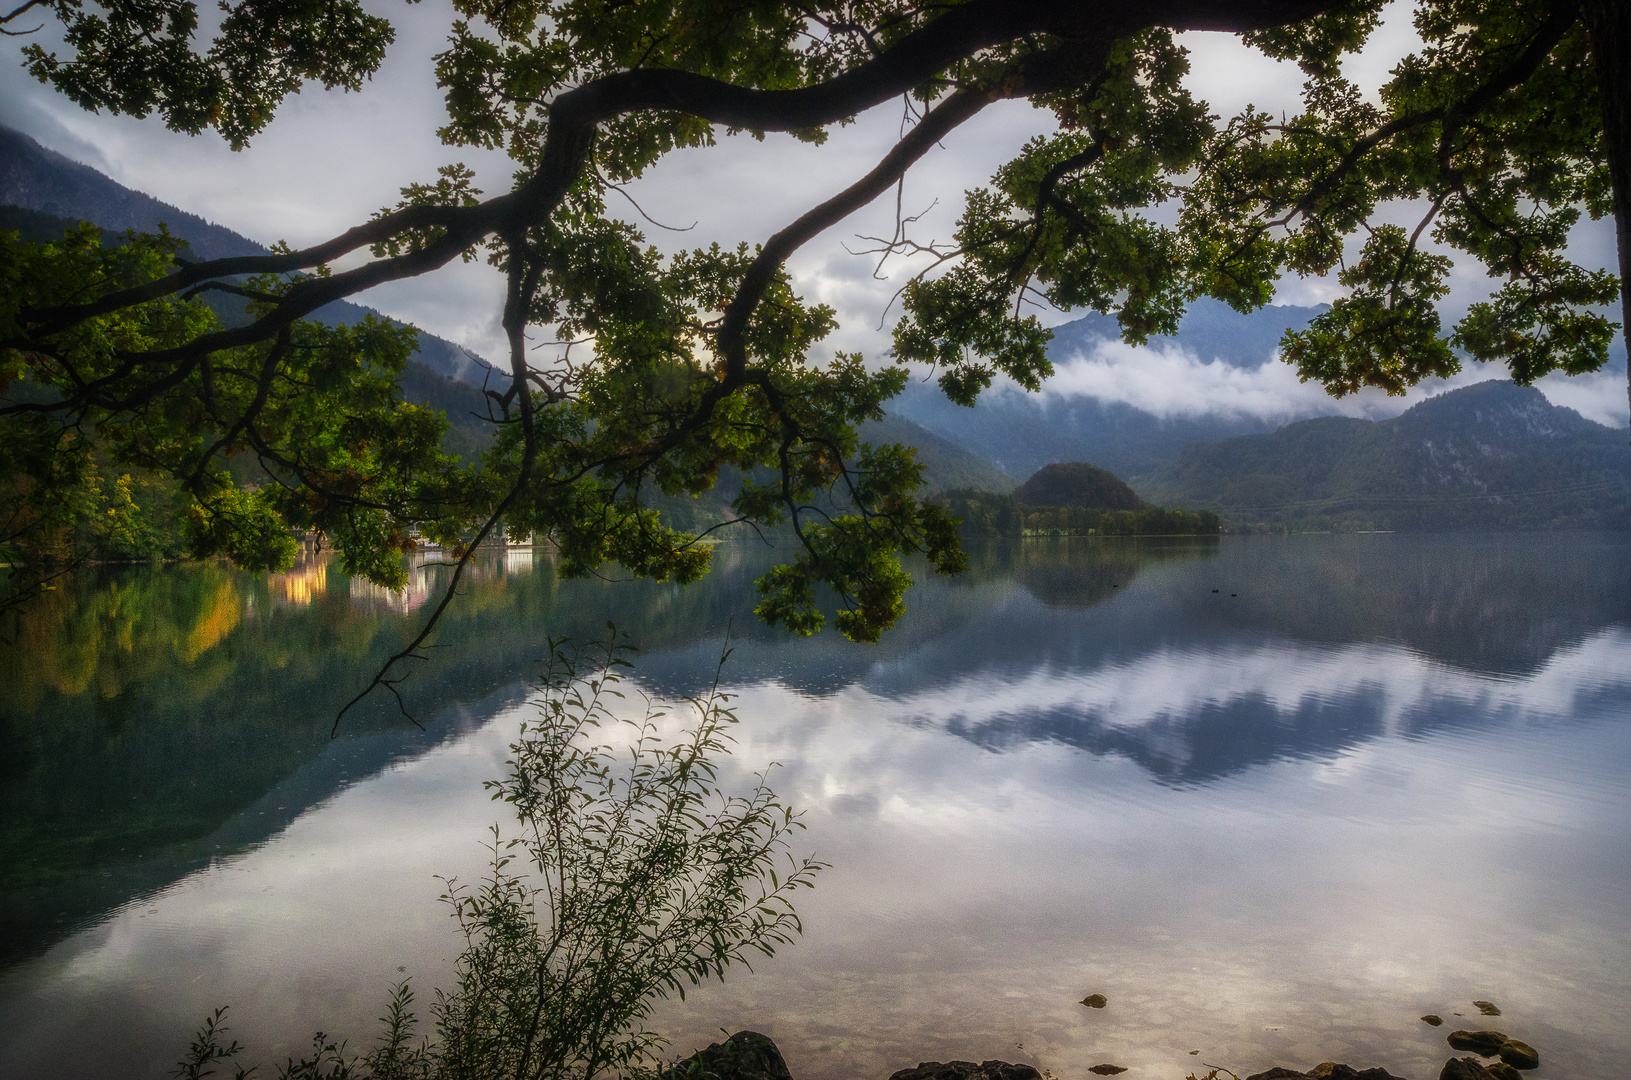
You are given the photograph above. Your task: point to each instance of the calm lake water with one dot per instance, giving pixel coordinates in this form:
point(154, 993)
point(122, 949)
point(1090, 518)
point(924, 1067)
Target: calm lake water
point(1274, 797)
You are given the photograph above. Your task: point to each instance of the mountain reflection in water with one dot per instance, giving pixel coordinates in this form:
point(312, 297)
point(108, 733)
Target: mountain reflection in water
point(169, 722)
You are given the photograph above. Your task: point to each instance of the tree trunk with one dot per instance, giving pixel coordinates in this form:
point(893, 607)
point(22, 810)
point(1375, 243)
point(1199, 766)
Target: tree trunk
point(1609, 22)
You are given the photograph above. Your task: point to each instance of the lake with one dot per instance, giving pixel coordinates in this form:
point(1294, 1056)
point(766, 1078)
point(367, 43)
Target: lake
point(1275, 797)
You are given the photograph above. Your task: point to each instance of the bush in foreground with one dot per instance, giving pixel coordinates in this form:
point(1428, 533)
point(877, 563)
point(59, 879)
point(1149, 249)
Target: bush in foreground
point(632, 875)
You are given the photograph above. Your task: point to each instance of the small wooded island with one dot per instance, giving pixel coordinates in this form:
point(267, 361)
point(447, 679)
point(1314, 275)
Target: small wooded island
point(1072, 499)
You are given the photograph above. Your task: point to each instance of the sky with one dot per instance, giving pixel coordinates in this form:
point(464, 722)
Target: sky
point(329, 160)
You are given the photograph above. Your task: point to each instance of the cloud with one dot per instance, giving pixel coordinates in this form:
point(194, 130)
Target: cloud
point(1600, 396)
point(1173, 382)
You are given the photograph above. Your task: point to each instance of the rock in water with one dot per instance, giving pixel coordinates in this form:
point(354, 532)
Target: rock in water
point(747, 1055)
point(1488, 1008)
point(1107, 1069)
point(1519, 1055)
point(1436, 1021)
point(967, 1070)
point(1095, 1001)
point(1503, 1071)
point(1328, 1070)
point(1464, 1069)
point(1487, 1043)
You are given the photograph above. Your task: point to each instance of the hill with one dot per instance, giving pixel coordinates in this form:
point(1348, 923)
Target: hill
point(1492, 455)
point(1076, 484)
point(1070, 499)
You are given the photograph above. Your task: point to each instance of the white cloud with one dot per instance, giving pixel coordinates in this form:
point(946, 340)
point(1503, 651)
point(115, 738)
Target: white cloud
point(1173, 382)
point(1600, 396)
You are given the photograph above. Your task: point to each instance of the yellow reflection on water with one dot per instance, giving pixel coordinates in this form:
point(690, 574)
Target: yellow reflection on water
point(220, 617)
point(300, 586)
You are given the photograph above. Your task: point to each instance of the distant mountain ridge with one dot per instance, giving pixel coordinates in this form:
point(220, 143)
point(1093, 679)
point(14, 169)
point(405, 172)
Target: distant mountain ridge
point(46, 182)
point(1020, 432)
point(1491, 455)
point(39, 179)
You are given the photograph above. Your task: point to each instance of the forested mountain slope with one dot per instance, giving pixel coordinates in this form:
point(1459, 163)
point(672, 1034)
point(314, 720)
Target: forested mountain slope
point(1020, 433)
point(35, 179)
point(1491, 455)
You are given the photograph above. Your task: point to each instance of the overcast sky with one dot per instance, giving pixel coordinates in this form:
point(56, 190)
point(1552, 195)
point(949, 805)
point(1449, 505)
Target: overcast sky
point(329, 160)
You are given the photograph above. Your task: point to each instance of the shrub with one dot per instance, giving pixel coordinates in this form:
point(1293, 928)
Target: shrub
point(632, 875)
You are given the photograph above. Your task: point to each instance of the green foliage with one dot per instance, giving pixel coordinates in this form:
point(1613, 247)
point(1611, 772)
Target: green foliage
point(206, 1050)
point(320, 404)
point(1494, 126)
point(631, 875)
point(138, 58)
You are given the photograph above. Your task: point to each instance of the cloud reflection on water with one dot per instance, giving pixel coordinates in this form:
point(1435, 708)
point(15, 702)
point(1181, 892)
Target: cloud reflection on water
point(1387, 779)
point(1194, 714)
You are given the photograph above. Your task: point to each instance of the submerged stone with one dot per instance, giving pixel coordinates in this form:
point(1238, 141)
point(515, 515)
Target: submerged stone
point(967, 1070)
point(1487, 1043)
point(1464, 1069)
point(1095, 1001)
point(1488, 1008)
point(1435, 1020)
point(1327, 1070)
point(1107, 1069)
point(1519, 1055)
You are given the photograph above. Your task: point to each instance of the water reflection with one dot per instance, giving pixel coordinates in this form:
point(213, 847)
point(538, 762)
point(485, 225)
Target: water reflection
point(171, 725)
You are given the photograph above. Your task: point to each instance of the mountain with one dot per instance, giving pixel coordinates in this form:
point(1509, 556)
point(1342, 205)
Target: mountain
point(946, 466)
point(1492, 455)
point(39, 179)
point(1022, 432)
point(1210, 329)
point(57, 189)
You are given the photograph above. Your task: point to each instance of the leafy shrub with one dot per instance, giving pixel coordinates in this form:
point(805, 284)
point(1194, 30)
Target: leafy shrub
point(632, 875)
